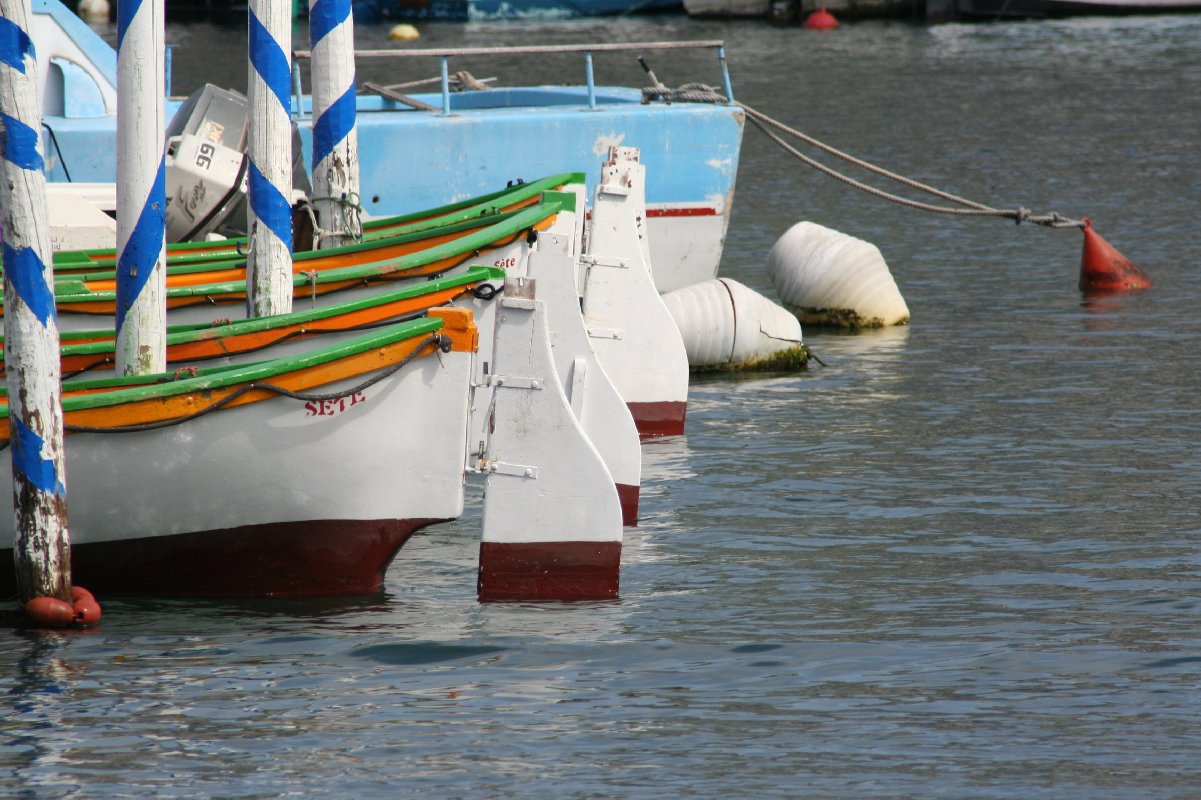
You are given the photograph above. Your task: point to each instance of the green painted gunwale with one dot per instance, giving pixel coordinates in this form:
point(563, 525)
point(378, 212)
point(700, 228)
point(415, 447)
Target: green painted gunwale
point(182, 334)
point(139, 388)
point(299, 258)
point(383, 227)
point(510, 227)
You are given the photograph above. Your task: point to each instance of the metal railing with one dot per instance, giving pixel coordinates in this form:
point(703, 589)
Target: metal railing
point(444, 56)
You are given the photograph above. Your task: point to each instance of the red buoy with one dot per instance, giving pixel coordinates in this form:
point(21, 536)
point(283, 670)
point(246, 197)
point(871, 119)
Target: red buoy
point(49, 612)
point(821, 20)
point(78, 592)
point(87, 611)
point(1104, 269)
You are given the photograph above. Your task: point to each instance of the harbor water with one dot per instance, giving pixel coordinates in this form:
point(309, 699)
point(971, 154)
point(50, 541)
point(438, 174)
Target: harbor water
point(961, 559)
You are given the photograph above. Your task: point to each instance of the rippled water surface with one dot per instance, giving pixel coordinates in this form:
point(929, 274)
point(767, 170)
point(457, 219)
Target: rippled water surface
point(959, 560)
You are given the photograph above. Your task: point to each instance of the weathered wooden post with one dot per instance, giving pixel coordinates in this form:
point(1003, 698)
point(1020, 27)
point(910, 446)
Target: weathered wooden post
point(141, 191)
point(42, 546)
point(335, 140)
point(269, 213)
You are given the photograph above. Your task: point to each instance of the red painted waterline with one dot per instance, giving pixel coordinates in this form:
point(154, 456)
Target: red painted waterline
point(628, 495)
point(658, 419)
point(294, 559)
point(681, 212)
point(656, 213)
point(543, 571)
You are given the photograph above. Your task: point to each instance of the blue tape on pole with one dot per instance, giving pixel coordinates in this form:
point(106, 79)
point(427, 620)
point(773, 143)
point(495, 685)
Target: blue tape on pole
point(324, 16)
point(143, 248)
point(270, 206)
point(270, 62)
point(25, 269)
point(333, 126)
point(15, 45)
point(28, 460)
point(126, 11)
point(21, 144)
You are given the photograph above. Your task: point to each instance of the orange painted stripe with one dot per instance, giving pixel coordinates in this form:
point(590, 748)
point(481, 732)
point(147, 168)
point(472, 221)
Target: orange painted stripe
point(383, 231)
point(175, 407)
point(216, 343)
point(108, 307)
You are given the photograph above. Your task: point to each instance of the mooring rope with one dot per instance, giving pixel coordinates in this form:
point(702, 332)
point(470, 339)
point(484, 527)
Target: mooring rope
point(352, 210)
point(701, 93)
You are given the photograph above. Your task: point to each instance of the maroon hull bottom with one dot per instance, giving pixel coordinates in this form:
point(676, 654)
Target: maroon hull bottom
point(294, 559)
point(658, 419)
point(549, 571)
point(628, 495)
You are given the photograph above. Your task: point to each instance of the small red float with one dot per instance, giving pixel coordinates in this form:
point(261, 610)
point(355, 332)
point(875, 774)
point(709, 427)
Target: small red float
point(1104, 269)
point(821, 20)
point(50, 612)
point(78, 592)
point(87, 611)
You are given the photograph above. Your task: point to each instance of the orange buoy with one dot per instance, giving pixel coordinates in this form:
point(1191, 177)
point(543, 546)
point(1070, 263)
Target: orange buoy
point(78, 591)
point(50, 612)
point(1104, 269)
point(821, 20)
point(87, 611)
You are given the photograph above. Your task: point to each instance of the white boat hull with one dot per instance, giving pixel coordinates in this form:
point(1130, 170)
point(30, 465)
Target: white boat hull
point(279, 497)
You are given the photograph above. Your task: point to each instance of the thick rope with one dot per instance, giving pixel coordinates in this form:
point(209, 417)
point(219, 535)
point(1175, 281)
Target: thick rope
point(970, 209)
point(352, 210)
point(700, 93)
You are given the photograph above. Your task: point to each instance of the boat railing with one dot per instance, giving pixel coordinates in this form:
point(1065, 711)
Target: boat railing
point(444, 56)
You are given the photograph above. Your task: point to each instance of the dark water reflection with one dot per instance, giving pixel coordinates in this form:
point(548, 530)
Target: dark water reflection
point(960, 560)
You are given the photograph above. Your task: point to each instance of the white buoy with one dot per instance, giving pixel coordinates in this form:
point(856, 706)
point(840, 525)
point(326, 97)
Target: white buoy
point(141, 318)
point(831, 279)
point(94, 10)
point(335, 138)
point(269, 213)
point(726, 325)
point(404, 32)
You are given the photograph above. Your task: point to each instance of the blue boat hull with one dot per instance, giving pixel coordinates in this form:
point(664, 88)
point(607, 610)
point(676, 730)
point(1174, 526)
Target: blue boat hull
point(411, 159)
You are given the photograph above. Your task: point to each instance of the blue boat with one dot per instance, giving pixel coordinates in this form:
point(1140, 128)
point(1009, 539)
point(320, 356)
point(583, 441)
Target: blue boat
point(431, 149)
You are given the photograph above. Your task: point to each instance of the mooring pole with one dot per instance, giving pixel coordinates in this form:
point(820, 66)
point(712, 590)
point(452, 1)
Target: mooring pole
point(335, 140)
point(141, 193)
point(42, 546)
point(269, 213)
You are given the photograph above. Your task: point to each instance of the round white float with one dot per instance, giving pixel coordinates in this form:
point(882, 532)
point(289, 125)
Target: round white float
point(726, 325)
point(828, 278)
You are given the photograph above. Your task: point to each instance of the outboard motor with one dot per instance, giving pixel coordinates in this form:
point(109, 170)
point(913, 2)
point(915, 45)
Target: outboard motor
point(206, 167)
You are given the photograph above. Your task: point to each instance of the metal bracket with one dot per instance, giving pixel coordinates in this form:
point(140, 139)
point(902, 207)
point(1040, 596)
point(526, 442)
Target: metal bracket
point(606, 333)
point(515, 470)
point(590, 260)
point(514, 382)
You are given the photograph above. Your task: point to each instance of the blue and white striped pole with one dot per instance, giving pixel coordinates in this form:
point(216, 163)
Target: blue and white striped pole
point(269, 214)
point(41, 546)
point(335, 140)
point(141, 194)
